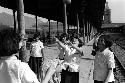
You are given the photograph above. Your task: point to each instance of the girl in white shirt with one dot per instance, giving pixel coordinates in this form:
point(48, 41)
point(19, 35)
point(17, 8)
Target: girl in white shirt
point(36, 54)
point(104, 62)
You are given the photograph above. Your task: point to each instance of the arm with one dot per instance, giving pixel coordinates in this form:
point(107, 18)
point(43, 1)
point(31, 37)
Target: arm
point(109, 75)
point(111, 66)
point(77, 48)
point(42, 52)
point(28, 76)
point(60, 43)
point(50, 71)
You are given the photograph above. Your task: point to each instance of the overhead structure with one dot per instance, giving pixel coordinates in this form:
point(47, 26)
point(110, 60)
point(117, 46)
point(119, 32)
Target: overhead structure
point(53, 9)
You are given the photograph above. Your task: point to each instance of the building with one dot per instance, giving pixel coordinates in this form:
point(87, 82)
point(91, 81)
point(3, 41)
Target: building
point(107, 25)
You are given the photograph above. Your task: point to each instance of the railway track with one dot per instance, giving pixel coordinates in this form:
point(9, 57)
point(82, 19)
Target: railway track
point(119, 50)
point(119, 72)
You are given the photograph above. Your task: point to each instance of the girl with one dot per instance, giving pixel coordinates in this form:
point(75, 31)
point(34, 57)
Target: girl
point(104, 62)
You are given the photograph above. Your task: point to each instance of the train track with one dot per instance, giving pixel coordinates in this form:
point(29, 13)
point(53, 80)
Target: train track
point(119, 50)
point(119, 72)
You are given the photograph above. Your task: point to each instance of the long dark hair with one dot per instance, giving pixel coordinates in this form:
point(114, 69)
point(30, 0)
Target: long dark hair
point(107, 42)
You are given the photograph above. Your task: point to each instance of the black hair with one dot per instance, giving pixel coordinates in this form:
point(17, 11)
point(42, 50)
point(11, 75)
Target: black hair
point(107, 42)
point(76, 36)
point(9, 42)
point(63, 36)
point(80, 43)
point(36, 35)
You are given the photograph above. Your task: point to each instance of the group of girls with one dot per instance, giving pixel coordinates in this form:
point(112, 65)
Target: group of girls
point(68, 58)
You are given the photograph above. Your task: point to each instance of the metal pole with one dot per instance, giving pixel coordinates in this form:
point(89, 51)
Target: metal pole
point(65, 19)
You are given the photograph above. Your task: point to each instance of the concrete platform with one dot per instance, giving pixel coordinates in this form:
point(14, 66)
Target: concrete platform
point(87, 64)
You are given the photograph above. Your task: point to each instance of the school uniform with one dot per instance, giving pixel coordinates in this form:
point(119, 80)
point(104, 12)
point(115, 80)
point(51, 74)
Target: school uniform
point(13, 70)
point(103, 61)
point(36, 57)
point(71, 74)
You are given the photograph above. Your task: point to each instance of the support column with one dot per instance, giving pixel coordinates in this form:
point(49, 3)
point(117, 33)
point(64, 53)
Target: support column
point(78, 24)
point(84, 30)
point(21, 28)
point(65, 2)
point(20, 18)
point(14, 17)
point(65, 19)
point(57, 30)
point(87, 31)
point(36, 23)
point(49, 30)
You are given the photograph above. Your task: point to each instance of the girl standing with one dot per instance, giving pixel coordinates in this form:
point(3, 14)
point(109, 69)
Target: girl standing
point(104, 62)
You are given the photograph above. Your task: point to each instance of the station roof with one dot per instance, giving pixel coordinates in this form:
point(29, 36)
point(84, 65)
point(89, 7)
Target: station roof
point(53, 9)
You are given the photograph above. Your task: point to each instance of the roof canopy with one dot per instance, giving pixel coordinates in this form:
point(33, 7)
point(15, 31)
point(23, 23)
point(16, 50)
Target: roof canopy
point(53, 9)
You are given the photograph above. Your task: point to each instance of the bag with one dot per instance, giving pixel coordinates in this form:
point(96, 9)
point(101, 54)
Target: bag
point(69, 77)
point(93, 53)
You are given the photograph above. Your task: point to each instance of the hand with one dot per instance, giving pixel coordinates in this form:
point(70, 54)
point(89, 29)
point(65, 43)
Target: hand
point(51, 70)
point(69, 43)
point(105, 82)
point(56, 39)
point(59, 68)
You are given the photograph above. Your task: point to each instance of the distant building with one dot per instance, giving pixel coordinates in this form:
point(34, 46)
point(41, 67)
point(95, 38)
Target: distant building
point(107, 25)
point(107, 14)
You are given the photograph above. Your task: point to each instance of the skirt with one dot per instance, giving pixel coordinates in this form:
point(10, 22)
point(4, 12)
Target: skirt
point(69, 77)
point(35, 64)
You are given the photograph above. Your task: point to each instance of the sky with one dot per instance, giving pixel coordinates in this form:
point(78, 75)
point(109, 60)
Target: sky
point(117, 11)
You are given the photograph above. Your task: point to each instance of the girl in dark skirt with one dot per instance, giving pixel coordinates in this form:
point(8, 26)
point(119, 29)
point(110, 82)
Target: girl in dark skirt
point(72, 54)
point(36, 51)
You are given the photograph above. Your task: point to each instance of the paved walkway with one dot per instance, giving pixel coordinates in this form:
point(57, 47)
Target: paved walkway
point(87, 64)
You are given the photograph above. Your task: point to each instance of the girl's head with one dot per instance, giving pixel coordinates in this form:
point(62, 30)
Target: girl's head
point(103, 42)
point(64, 38)
point(77, 41)
point(9, 42)
point(36, 36)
